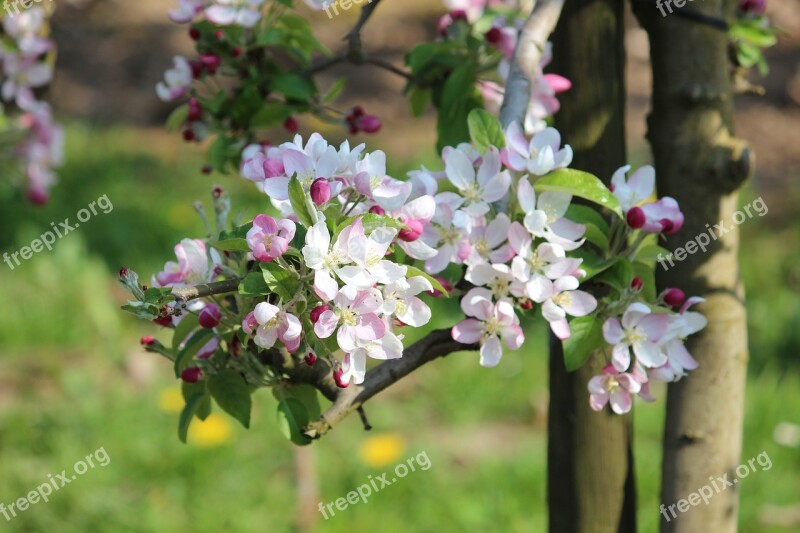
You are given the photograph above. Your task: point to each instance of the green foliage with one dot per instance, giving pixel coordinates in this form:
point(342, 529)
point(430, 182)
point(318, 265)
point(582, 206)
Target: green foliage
point(485, 130)
point(232, 395)
point(301, 203)
point(580, 184)
point(586, 336)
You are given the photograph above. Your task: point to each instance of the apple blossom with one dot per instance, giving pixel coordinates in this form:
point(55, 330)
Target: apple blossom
point(489, 323)
point(480, 189)
point(539, 156)
point(400, 299)
point(560, 298)
point(177, 80)
point(612, 387)
point(640, 331)
point(354, 312)
point(245, 13)
point(637, 189)
point(269, 238)
point(275, 324)
point(544, 217)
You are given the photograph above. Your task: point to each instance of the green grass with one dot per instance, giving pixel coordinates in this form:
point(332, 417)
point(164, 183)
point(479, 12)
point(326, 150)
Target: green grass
point(73, 379)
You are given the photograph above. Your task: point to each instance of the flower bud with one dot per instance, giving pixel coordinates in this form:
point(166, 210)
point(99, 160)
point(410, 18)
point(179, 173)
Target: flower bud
point(337, 377)
point(369, 123)
point(674, 297)
point(197, 68)
point(377, 210)
point(668, 227)
point(756, 7)
point(412, 232)
point(123, 272)
point(237, 52)
point(147, 341)
point(636, 218)
point(37, 196)
point(320, 191)
point(526, 304)
point(164, 321)
point(192, 375)
point(210, 316)
point(194, 34)
point(217, 192)
point(637, 283)
point(310, 359)
point(316, 313)
point(493, 36)
point(188, 135)
point(195, 110)
point(210, 62)
point(207, 169)
point(291, 125)
point(249, 324)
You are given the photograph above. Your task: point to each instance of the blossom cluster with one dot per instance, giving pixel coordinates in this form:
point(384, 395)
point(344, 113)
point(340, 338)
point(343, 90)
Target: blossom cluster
point(38, 140)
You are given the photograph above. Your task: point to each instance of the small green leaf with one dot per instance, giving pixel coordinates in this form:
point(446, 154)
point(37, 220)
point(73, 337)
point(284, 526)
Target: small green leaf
point(253, 284)
point(204, 406)
point(293, 86)
point(298, 199)
point(183, 329)
point(592, 263)
point(279, 280)
point(271, 114)
point(586, 336)
point(292, 418)
point(583, 214)
point(232, 394)
point(192, 346)
point(335, 91)
point(581, 184)
point(414, 271)
point(177, 118)
point(652, 253)
point(187, 414)
point(485, 130)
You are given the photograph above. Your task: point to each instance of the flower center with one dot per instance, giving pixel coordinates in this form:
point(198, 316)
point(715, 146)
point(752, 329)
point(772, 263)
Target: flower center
point(491, 328)
point(634, 336)
point(349, 317)
point(499, 287)
point(562, 299)
point(612, 384)
point(473, 192)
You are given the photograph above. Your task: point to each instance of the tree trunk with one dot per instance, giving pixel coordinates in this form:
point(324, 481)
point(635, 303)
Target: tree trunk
point(591, 485)
point(701, 164)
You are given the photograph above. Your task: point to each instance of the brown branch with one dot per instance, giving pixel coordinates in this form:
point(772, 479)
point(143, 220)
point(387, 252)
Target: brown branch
point(184, 294)
point(438, 343)
point(354, 37)
point(527, 56)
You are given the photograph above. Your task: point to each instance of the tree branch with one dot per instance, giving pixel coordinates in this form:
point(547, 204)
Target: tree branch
point(527, 56)
point(184, 294)
point(438, 343)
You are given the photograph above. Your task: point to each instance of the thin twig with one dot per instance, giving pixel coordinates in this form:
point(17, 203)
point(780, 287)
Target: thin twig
point(185, 294)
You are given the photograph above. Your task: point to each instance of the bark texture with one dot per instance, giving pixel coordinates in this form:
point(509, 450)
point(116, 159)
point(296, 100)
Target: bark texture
point(701, 164)
point(590, 469)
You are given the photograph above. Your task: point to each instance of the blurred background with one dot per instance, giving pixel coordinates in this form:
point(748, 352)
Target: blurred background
point(73, 377)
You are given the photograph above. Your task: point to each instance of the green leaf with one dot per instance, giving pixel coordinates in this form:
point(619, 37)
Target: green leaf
point(279, 281)
point(335, 91)
point(299, 201)
point(292, 418)
point(271, 114)
point(189, 323)
point(751, 31)
point(586, 336)
point(232, 394)
point(203, 408)
point(485, 130)
point(187, 414)
point(414, 271)
point(191, 347)
point(293, 86)
point(143, 310)
point(253, 284)
point(652, 253)
point(420, 99)
point(583, 214)
point(231, 245)
point(459, 97)
point(177, 118)
point(581, 184)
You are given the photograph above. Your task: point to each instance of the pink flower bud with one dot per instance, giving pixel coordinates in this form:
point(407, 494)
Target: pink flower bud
point(210, 316)
point(668, 227)
point(37, 196)
point(527, 305)
point(310, 359)
point(147, 341)
point(377, 210)
point(188, 135)
point(237, 52)
point(192, 375)
point(317, 312)
point(320, 191)
point(674, 297)
point(195, 110)
point(210, 62)
point(756, 7)
point(369, 123)
point(291, 125)
point(123, 272)
point(412, 232)
point(459, 14)
point(164, 321)
point(637, 283)
point(337, 377)
point(207, 169)
point(636, 218)
point(249, 324)
point(217, 191)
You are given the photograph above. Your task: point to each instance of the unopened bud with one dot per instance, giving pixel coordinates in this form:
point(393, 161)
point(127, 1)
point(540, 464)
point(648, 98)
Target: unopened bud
point(636, 218)
point(147, 341)
point(210, 316)
point(310, 359)
point(291, 125)
point(377, 210)
point(316, 313)
point(369, 123)
point(637, 283)
point(674, 297)
point(412, 232)
point(320, 191)
point(337, 377)
point(192, 375)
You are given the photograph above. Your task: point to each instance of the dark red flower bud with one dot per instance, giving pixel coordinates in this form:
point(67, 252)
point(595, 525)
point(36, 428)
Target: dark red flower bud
point(317, 312)
point(197, 68)
point(188, 135)
point(493, 36)
point(210, 62)
point(674, 297)
point(147, 341)
point(220, 35)
point(369, 124)
point(192, 375)
point(195, 110)
point(218, 191)
point(163, 321)
point(337, 377)
point(237, 52)
point(310, 359)
point(377, 210)
point(637, 283)
point(636, 218)
point(207, 169)
point(210, 316)
point(194, 34)
point(526, 304)
point(291, 125)
point(459, 14)
point(123, 272)
point(37, 196)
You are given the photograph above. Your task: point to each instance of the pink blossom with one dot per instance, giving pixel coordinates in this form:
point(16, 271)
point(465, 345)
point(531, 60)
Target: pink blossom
point(640, 331)
point(612, 387)
point(354, 312)
point(491, 322)
point(560, 298)
point(268, 238)
point(275, 324)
